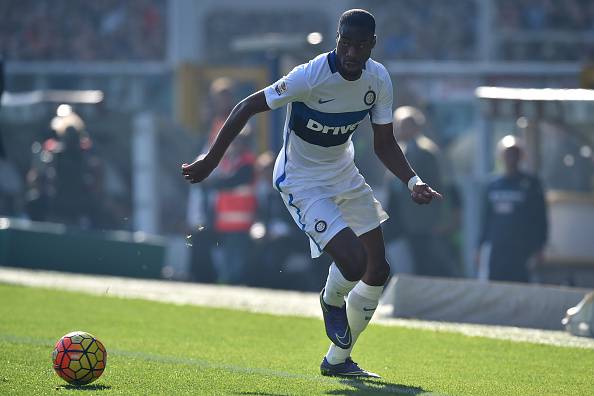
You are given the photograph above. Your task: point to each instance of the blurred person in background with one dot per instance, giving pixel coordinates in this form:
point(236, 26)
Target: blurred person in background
point(200, 215)
point(315, 173)
point(419, 227)
point(234, 208)
point(221, 102)
point(64, 181)
point(514, 220)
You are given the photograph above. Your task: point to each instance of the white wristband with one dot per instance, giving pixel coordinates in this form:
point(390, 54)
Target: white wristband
point(413, 181)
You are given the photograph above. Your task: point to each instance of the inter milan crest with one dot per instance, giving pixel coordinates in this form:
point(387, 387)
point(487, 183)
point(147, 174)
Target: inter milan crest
point(321, 226)
point(369, 97)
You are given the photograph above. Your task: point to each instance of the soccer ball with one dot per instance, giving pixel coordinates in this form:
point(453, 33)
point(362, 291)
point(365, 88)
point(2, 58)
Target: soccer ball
point(79, 358)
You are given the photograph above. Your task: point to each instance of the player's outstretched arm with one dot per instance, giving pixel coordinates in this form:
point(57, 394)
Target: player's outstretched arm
point(241, 113)
point(388, 151)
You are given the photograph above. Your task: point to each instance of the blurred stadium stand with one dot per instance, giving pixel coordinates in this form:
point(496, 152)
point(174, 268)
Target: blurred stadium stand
point(83, 30)
point(156, 59)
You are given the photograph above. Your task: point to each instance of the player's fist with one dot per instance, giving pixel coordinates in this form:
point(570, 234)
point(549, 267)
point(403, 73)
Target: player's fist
point(423, 194)
point(197, 170)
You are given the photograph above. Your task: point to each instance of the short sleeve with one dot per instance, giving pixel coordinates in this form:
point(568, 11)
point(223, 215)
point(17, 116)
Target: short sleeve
point(381, 112)
point(291, 88)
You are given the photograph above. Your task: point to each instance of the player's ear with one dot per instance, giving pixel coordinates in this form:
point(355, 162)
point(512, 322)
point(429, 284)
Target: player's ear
point(337, 36)
point(373, 41)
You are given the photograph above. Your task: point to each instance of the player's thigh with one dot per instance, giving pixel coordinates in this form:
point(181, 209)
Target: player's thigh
point(348, 252)
point(361, 211)
point(319, 218)
point(373, 242)
point(378, 269)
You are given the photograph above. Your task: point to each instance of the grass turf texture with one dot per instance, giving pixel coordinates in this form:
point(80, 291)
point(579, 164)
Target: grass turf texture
point(169, 349)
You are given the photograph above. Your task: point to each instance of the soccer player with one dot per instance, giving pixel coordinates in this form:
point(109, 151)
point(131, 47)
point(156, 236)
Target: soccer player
point(327, 98)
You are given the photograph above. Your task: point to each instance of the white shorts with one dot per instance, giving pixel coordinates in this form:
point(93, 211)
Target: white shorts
point(321, 216)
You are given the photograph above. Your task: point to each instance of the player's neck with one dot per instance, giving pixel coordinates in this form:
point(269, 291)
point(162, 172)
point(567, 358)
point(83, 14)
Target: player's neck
point(350, 77)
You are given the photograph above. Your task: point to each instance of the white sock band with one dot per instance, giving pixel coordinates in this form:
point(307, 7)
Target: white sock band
point(337, 287)
point(367, 291)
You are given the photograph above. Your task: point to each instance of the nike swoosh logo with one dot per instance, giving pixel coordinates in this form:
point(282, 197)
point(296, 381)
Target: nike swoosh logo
point(321, 101)
point(340, 339)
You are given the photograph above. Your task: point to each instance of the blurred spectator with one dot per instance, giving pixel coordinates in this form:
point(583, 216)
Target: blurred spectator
point(235, 208)
point(200, 218)
point(106, 30)
point(221, 102)
point(418, 225)
point(514, 218)
point(64, 181)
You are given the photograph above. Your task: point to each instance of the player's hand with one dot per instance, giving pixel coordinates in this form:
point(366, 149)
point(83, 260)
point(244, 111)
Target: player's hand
point(197, 170)
point(423, 194)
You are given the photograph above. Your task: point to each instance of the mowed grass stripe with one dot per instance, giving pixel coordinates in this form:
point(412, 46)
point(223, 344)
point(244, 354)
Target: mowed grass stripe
point(371, 386)
point(13, 339)
point(158, 348)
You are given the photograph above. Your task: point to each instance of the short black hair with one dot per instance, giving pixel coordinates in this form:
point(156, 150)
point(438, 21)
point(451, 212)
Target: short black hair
point(357, 17)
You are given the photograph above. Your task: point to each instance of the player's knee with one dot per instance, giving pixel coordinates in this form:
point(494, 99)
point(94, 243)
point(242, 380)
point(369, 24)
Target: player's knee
point(383, 271)
point(378, 271)
point(352, 262)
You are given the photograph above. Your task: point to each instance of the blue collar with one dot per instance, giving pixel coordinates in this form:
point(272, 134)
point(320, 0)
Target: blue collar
point(332, 61)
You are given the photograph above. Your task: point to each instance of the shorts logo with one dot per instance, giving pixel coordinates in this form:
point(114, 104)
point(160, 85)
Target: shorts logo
point(369, 97)
point(280, 88)
point(321, 226)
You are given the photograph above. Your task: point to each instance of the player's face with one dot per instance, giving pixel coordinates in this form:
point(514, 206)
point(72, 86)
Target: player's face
point(353, 49)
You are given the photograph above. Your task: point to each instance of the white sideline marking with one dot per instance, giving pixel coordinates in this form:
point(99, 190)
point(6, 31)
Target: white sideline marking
point(269, 301)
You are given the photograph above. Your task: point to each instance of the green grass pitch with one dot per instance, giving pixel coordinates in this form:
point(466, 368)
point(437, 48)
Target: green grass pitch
point(157, 348)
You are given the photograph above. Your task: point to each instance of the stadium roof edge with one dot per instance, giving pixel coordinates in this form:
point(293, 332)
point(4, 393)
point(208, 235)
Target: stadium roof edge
point(534, 94)
point(51, 96)
point(482, 68)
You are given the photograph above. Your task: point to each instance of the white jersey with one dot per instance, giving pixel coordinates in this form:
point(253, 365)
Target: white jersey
point(323, 111)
